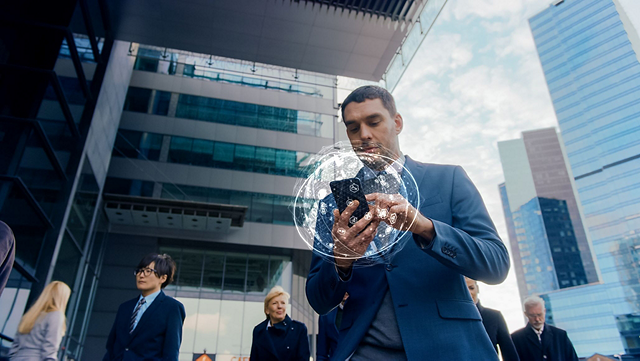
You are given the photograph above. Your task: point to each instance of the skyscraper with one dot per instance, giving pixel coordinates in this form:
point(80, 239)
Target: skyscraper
point(589, 51)
point(177, 127)
point(548, 241)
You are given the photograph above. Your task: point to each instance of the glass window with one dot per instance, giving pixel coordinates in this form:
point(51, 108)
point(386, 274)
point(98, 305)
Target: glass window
point(229, 341)
point(150, 145)
point(265, 160)
point(13, 302)
point(205, 319)
point(218, 196)
point(202, 153)
point(244, 157)
point(68, 262)
point(213, 268)
point(223, 155)
point(257, 273)
point(180, 150)
point(262, 208)
point(161, 103)
point(235, 270)
point(126, 144)
point(137, 100)
point(281, 212)
point(190, 273)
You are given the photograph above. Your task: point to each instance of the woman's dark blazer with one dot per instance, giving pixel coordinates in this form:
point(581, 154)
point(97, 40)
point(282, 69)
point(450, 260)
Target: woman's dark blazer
point(296, 343)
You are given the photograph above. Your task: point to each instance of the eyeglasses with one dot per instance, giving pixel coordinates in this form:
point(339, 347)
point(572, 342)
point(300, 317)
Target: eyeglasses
point(145, 271)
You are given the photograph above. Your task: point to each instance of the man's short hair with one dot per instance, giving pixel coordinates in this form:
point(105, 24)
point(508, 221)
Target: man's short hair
point(275, 292)
point(532, 301)
point(371, 92)
point(164, 265)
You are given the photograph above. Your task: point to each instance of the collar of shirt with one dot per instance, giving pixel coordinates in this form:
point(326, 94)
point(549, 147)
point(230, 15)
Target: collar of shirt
point(150, 298)
point(280, 325)
point(397, 164)
point(539, 333)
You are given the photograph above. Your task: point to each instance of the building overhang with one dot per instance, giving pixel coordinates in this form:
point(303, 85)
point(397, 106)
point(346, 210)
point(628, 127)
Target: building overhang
point(172, 215)
point(353, 38)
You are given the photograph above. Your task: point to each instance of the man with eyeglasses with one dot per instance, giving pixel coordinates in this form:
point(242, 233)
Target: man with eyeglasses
point(148, 327)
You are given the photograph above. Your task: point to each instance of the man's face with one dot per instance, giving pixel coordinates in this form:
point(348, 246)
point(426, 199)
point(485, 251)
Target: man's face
point(472, 285)
point(149, 282)
point(535, 314)
point(372, 130)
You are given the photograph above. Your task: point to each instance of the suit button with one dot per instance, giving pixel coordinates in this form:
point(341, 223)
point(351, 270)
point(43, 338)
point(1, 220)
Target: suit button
point(444, 250)
point(126, 349)
point(389, 267)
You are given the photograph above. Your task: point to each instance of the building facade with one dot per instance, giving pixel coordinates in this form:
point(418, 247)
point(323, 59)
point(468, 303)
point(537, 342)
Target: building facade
point(546, 232)
point(589, 51)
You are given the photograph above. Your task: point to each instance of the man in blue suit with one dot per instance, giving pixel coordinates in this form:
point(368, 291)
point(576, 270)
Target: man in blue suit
point(328, 331)
point(148, 327)
point(414, 305)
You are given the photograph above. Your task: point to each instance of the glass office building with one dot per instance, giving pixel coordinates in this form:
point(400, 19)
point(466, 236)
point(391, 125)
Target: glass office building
point(189, 145)
point(589, 53)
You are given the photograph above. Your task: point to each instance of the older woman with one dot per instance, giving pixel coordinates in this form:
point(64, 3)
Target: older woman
point(279, 337)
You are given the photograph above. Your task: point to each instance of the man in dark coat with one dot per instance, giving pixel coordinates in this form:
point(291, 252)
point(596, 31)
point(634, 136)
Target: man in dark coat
point(494, 324)
point(538, 341)
point(7, 253)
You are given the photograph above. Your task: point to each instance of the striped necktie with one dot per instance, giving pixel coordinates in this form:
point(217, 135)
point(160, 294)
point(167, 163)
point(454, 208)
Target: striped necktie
point(132, 324)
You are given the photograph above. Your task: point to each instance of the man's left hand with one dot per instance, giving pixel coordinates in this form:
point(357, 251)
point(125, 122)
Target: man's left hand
point(397, 212)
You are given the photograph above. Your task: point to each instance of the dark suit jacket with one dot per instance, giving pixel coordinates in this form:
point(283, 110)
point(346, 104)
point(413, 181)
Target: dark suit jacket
point(435, 314)
point(156, 337)
point(7, 253)
point(294, 337)
point(327, 335)
point(555, 346)
point(498, 332)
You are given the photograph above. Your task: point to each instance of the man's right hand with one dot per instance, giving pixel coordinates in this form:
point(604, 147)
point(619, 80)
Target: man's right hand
point(350, 243)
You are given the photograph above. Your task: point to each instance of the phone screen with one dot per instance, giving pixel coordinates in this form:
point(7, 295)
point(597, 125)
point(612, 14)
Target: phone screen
point(346, 191)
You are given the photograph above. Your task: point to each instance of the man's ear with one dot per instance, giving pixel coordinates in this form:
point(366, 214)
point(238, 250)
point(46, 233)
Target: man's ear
point(164, 278)
point(399, 123)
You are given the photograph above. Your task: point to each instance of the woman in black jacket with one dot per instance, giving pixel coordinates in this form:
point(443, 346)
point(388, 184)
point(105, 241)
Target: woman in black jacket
point(279, 338)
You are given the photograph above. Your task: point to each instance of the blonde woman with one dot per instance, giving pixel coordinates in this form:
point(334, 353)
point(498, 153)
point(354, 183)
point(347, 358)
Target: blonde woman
point(279, 338)
point(42, 327)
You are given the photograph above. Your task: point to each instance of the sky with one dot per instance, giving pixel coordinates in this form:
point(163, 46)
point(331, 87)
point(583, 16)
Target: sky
point(477, 80)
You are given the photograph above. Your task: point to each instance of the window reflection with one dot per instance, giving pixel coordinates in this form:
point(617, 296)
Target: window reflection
point(224, 326)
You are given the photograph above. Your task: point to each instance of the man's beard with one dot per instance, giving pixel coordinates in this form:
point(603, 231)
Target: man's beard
point(377, 158)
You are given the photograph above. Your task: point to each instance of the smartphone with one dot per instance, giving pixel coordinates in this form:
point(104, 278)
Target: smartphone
point(346, 191)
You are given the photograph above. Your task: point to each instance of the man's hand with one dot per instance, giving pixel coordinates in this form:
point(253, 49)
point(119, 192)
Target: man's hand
point(351, 242)
point(397, 212)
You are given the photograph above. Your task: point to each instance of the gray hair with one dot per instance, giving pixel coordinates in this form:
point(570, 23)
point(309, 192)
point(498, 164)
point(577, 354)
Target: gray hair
point(532, 301)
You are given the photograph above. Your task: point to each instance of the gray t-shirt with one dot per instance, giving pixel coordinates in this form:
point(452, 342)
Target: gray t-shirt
point(382, 340)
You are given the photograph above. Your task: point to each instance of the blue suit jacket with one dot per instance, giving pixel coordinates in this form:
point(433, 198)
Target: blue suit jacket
point(435, 314)
point(156, 337)
point(327, 335)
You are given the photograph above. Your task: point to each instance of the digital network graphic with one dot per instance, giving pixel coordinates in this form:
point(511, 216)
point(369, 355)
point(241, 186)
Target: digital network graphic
point(352, 168)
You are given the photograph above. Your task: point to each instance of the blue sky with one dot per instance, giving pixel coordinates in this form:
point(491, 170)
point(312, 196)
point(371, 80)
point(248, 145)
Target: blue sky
point(477, 80)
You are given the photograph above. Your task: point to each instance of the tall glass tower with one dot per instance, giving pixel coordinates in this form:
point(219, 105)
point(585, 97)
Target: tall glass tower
point(589, 52)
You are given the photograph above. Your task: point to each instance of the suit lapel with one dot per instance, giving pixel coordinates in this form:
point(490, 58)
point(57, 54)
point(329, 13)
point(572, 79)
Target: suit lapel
point(547, 336)
point(264, 335)
point(148, 314)
point(531, 336)
point(416, 174)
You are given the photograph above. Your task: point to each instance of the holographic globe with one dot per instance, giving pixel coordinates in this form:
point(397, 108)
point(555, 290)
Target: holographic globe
point(377, 172)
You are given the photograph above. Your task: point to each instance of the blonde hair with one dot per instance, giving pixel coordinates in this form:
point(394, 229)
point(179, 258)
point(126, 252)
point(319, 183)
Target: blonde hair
point(275, 292)
point(54, 297)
